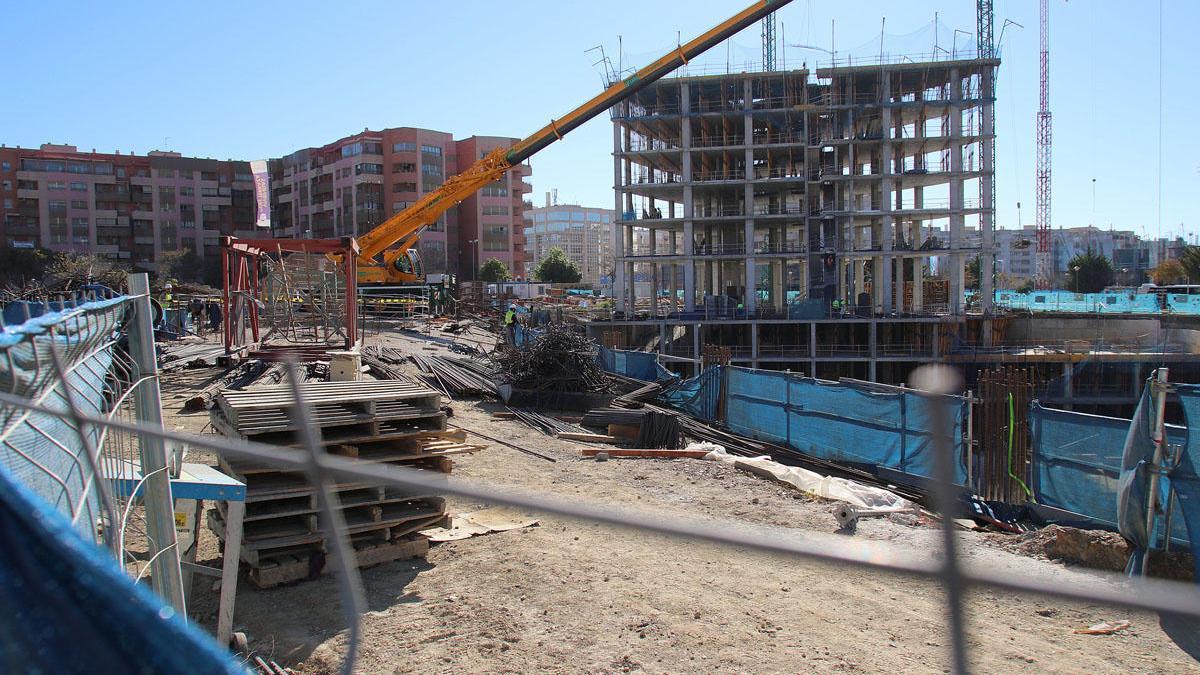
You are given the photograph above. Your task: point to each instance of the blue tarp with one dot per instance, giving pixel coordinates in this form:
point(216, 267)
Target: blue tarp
point(697, 396)
point(638, 365)
point(1185, 477)
point(66, 606)
point(834, 421)
point(842, 422)
point(1076, 465)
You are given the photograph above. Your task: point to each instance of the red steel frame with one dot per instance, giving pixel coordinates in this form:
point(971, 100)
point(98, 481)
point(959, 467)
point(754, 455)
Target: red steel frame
point(240, 271)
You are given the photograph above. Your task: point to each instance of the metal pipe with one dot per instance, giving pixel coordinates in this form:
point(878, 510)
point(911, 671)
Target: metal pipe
point(1158, 389)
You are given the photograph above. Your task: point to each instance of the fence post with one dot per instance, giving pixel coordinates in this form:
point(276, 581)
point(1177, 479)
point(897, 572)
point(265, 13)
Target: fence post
point(166, 577)
point(1158, 392)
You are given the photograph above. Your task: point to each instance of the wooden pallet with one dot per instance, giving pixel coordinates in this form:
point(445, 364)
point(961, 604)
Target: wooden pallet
point(265, 539)
point(345, 432)
point(292, 567)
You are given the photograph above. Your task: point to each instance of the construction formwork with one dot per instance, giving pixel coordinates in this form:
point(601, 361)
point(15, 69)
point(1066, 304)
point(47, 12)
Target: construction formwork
point(839, 187)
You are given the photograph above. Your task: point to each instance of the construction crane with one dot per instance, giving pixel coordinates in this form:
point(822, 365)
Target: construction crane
point(1044, 271)
point(388, 253)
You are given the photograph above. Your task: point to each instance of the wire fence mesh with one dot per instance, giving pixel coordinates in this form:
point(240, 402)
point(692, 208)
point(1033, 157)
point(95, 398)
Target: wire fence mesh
point(39, 401)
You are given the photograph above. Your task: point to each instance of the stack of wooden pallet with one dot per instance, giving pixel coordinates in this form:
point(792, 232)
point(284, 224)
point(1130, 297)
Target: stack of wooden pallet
point(375, 421)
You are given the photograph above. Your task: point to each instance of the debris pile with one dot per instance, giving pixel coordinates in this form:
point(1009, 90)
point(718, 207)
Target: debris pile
point(560, 359)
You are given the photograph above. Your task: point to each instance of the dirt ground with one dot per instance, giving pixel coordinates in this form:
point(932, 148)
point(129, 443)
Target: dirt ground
point(569, 596)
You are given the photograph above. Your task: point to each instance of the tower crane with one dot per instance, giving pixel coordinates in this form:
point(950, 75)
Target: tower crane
point(388, 254)
point(1044, 271)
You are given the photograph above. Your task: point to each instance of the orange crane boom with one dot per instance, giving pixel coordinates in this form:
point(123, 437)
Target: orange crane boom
point(393, 237)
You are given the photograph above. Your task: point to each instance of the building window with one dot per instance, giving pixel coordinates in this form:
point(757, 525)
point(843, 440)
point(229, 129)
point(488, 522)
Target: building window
point(6, 185)
point(165, 173)
point(404, 167)
point(208, 192)
point(431, 150)
point(432, 170)
point(55, 204)
point(79, 204)
point(404, 147)
point(56, 185)
point(79, 187)
point(5, 166)
point(374, 169)
point(166, 191)
point(187, 191)
point(8, 203)
point(496, 189)
point(493, 210)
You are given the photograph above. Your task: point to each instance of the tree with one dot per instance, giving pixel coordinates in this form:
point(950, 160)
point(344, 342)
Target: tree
point(494, 270)
point(1168, 272)
point(974, 265)
point(1191, 263)
point(69, 271)
point(21, 266)
point(187, 268)
point(557, 268)
point(1089, 272)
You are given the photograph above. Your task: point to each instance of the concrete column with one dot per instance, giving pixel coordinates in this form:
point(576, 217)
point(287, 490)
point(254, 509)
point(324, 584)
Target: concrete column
point(689, 233)
point(751, 281)
point(918, 301)
point(654, 280)
point(987, 216)
point(812, 349)
point(618, 229)
point(886, 198)
point(753, 344)
point(1068, 386)
point(956, 192)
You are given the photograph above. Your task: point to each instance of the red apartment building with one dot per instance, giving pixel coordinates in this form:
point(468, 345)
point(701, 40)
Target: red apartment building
point(351, 185)
point(130, 207)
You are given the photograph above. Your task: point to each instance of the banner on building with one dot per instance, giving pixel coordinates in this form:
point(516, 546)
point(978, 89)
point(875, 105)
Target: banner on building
point(262, 193)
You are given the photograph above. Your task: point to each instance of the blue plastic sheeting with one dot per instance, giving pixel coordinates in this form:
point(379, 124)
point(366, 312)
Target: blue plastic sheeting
point(523, 336)
point(1098, 303)
point(67, 607)
point(638, 365)
point(1185, 477)
point(1076, 464)
point(43, 451)
point(699, 396)
point(842, 422)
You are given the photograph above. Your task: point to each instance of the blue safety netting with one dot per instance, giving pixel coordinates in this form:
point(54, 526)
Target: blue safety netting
point(66, 606)
point(1185, 477)
point(1109, 302)
point(698, 396)
point(43, 451)
point(638, 365)
point(843, 422)
point(1076, 463)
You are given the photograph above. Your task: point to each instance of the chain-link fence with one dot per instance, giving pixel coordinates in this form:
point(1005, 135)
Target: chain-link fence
point(62, 466)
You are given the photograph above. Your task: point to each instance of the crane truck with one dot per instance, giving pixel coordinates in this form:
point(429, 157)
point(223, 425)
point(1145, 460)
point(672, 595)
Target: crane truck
point(388, 253)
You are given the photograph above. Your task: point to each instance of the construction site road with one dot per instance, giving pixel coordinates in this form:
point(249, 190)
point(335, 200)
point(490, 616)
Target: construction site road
point(570, 596)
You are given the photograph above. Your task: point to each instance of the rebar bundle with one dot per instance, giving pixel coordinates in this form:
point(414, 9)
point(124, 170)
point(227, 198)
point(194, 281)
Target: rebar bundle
point(560, 359)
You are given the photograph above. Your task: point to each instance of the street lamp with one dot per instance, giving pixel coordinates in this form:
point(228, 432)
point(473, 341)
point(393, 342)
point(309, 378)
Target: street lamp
point(1075, 274)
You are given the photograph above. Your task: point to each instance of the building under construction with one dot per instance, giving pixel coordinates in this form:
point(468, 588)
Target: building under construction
point(822, 221)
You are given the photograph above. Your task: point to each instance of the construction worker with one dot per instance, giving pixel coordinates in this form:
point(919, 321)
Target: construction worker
point(510, 325)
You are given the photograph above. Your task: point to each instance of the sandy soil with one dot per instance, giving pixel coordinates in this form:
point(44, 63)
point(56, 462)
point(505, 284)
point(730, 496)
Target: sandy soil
point(571, 596)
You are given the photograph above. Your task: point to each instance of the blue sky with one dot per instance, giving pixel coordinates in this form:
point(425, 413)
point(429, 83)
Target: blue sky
point(252, 80)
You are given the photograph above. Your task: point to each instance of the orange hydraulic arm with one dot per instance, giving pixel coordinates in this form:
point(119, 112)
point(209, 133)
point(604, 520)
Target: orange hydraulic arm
point(393, 236)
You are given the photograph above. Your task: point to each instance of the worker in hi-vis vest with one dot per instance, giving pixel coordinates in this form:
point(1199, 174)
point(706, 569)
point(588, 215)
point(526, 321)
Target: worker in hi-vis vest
point(510, 325)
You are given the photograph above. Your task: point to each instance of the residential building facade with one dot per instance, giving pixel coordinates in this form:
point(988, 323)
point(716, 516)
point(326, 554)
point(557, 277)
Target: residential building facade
point(583, 233)
point(130, 208)
point(349, 186)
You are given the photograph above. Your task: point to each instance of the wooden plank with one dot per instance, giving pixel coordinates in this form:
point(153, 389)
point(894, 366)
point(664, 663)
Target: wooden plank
point(649, 453)
point(629, 432)
point(587, 438)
